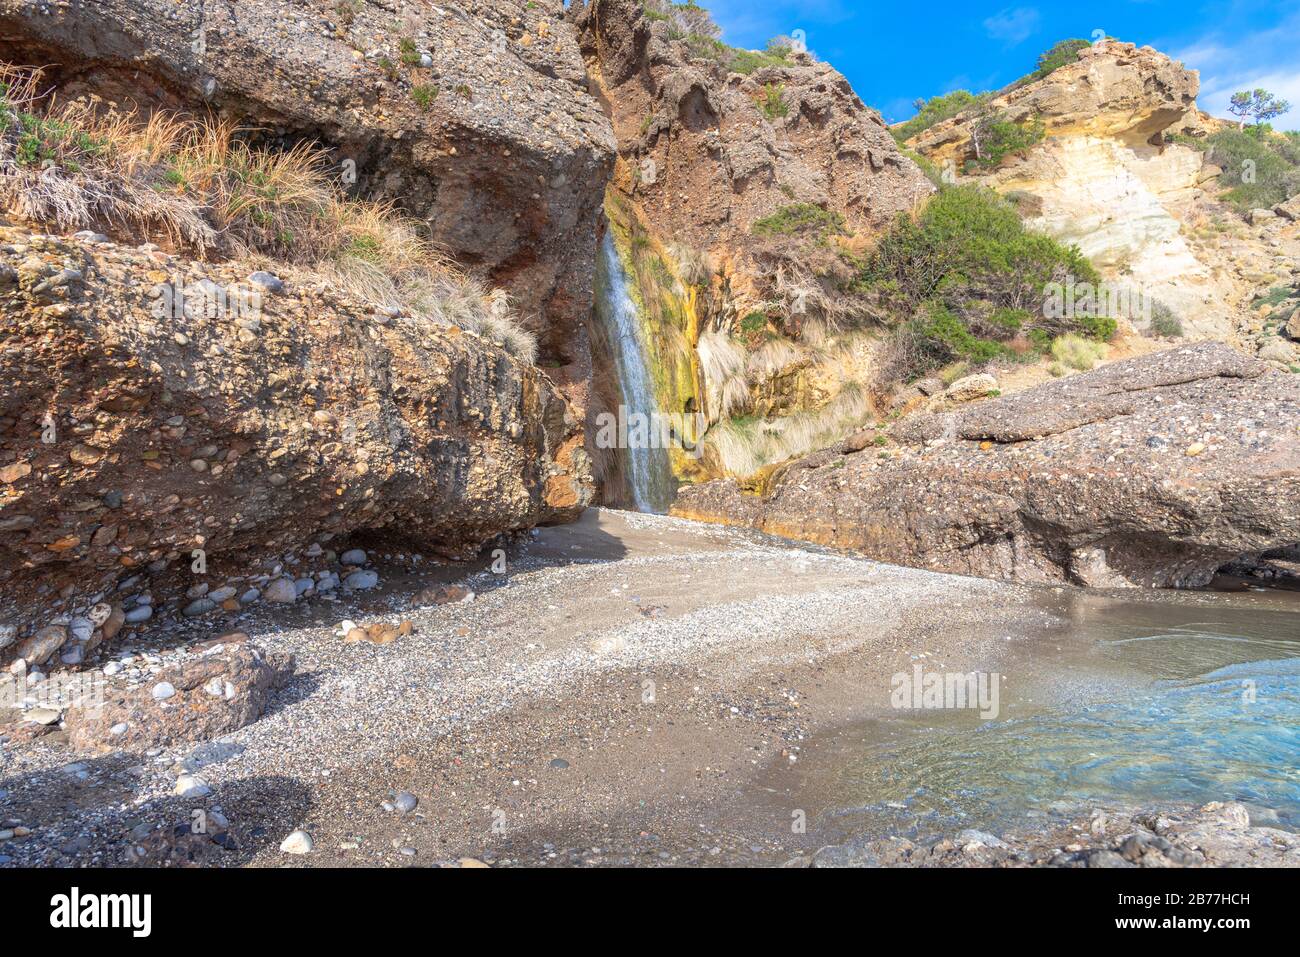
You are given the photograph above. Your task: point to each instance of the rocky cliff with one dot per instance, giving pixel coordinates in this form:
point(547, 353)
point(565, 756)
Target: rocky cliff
point(1108, 176)
point(474, 117)
point(1154, 471)
point(709, 145)
point(740, 174)
point(250, 418)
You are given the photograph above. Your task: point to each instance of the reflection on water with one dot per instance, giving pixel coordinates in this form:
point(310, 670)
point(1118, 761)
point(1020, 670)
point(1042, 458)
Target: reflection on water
point(1213, 713)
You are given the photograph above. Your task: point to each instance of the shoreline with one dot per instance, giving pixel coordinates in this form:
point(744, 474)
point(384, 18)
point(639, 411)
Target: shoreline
point(628, 686)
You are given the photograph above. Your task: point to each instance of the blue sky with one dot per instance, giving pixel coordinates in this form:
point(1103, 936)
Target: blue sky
point(894, 52)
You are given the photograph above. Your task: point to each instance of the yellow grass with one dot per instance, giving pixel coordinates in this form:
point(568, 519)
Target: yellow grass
point(203, 186)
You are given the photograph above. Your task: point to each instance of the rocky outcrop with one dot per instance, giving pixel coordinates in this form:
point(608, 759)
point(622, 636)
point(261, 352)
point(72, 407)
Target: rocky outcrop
point(1108, 178)
point(1115, 90)
point(156, 407)
point(1153, 471)
point(701, 158)
point(473, 117)
point(224, 689)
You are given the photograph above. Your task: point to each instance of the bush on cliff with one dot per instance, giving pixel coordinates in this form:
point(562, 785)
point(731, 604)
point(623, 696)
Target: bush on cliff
point(1260, 169)
point(936, 110)
point(966, 280)
point(204, 186)
point(995, 138)
point(1062, 54)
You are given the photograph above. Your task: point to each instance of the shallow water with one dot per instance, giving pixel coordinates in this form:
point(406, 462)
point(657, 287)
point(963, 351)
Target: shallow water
point(1123, 704)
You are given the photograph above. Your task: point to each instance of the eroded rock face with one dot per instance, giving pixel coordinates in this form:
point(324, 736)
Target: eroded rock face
point(474, 117)
point(701, 160)
point(225, 689)
point(1153, 471)
point(1114, 90)
point(1108, 179)
point(133, 433)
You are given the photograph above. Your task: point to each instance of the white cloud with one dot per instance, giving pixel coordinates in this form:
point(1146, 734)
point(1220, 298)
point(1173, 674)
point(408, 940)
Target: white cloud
point(1261, 59)
point(1013, 26)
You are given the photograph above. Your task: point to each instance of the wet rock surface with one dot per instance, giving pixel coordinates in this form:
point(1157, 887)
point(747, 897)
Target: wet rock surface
point(1153, 471)
point(703, 161)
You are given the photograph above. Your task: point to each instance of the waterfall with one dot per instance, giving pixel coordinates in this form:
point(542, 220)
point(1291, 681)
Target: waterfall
point(648, 477)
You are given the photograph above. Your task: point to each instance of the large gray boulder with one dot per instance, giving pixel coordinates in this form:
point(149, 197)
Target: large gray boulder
point(1154, 471)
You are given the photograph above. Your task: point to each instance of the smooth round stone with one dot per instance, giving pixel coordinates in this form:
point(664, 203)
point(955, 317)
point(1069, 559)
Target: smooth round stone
point(268, 281)
point(139, 614)
point(82, 628)
point(559, 764)
point(362, 579)
point(189, 786)
point(353, 556)
point(224, 593)
point(163, 690)
point(299, 842)
point(119, 728)
point(197, 591)
point(405, 802)
point(281, 591)
point(250, 596)
point(200, 606)
point(112, 668)
point(303, 584)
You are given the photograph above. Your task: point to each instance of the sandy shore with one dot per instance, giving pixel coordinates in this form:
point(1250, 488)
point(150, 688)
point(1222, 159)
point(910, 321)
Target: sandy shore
point(624, 693)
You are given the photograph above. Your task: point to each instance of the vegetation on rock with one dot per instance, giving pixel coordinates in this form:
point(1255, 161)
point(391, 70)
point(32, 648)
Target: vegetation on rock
point(204, 185)
point(936, 110)
point(1261, 168)
point(1062, 54)
point(966, 280)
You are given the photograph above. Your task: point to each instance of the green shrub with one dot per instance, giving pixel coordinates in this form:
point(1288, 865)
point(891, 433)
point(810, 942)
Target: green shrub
point(996, 137)
point(936, 110)
point(1259, 169)
point(1165, 322)
point(1273, 297)
point(1063, 54)
point(799, 218)
point(773, 102)
point(754, 323)
point(424, 94)
point(966, 280)
point(407, 52)
point(749, 61)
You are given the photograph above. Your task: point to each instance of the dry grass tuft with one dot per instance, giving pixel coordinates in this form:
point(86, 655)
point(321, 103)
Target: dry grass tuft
point(740, 448)
point(202, 186)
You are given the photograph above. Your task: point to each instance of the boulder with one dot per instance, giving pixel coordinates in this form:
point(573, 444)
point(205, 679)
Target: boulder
point(1290, 209)
point(1154, 471)
point(222, 690)
point(434, 434)
point(972, 387)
